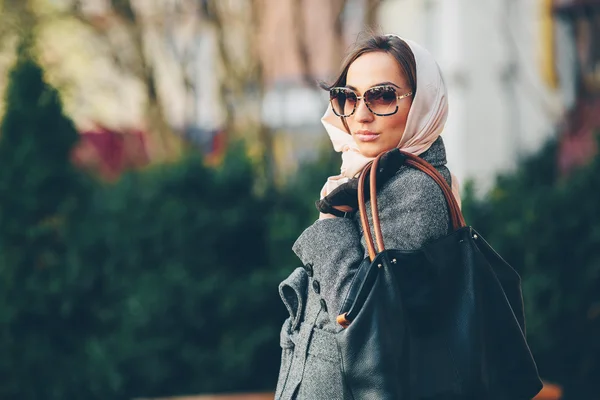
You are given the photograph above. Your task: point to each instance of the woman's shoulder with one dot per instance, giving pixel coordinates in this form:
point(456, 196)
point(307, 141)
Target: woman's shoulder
point(411, 183)
point(412, 209)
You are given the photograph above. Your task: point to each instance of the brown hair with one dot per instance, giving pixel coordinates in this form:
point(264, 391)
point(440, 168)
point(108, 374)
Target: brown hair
point(391, 45)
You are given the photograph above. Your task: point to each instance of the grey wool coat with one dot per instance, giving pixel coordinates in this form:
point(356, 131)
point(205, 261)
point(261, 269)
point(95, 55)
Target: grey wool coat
point(413, 211)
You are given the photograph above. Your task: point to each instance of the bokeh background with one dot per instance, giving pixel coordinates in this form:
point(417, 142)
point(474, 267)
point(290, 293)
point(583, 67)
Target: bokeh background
point(158, 158)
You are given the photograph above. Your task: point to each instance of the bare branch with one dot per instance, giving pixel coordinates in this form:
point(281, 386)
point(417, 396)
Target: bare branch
point(141, 66)
point(301, 42)
point(124, 9)
point(217, 23)
point(371, 13)
point(338, 27)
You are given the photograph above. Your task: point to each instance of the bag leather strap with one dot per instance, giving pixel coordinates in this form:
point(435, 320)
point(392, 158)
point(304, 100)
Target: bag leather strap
point(456, 218)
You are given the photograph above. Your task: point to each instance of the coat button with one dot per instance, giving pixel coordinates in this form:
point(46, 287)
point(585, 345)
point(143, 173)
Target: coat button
point(316, 286)
point(323, 305)
point(309, 269)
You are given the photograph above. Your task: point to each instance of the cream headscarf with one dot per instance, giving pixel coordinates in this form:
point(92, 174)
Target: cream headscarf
point(424, 124)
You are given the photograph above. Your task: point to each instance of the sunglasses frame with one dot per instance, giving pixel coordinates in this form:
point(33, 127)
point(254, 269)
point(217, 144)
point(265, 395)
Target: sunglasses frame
point(359, 98)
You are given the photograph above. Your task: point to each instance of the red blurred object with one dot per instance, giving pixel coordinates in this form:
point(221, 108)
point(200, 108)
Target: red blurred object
point(578, 142)
point(218, 147)
point(109, 153)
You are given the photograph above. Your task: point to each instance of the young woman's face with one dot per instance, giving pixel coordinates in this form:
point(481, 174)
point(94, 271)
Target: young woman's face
point(375, 134)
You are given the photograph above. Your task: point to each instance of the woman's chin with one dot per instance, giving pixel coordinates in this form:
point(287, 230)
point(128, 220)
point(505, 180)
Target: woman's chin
point(371, 150)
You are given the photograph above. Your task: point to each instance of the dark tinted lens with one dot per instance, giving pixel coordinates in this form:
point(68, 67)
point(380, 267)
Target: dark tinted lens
point(382, 99)
point(343, 101)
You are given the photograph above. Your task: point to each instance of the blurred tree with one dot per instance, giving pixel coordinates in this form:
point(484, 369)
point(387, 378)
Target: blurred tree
point(39, 192)
point(15, 16)
point(303, 45)
point(338, 27)
point(135, 36)
point(371, 12)
point(137, 29)
point(16, 20)
point(243, 30)
point(236, 25)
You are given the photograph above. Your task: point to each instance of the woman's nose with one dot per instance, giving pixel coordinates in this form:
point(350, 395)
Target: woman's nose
point(362, 113)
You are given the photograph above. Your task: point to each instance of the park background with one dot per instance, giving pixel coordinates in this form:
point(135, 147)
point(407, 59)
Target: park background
point(158, 158)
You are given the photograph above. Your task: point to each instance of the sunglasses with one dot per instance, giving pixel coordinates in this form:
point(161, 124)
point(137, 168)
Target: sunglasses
point(380, 100)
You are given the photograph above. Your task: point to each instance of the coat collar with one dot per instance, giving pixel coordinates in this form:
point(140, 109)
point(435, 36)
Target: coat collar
point(436, 154)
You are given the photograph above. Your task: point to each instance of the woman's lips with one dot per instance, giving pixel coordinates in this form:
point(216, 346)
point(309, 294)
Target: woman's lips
point(366, 136)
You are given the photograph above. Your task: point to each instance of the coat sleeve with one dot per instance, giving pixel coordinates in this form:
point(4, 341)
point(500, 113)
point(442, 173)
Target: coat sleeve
point(332, 249)
point(412, 212)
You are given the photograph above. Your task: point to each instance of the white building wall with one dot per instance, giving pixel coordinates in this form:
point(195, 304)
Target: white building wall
point(488, 50)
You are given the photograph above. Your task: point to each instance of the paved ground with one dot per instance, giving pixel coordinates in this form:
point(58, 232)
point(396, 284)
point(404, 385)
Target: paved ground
point(549, 392)
point(239, 396)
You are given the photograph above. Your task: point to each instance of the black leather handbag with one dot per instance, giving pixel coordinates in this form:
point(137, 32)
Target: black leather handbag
point(444, 322)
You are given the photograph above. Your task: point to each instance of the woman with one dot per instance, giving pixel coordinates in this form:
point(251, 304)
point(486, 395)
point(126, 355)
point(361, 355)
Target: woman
point(389, 95)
